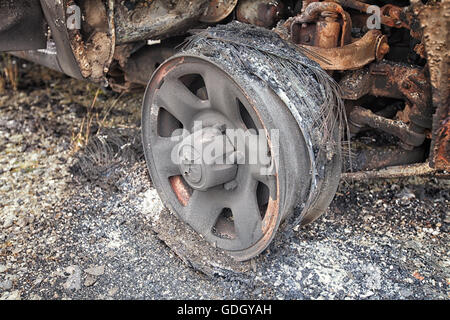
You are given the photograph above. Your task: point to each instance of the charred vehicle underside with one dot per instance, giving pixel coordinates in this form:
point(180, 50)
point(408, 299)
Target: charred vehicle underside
point(324, 73)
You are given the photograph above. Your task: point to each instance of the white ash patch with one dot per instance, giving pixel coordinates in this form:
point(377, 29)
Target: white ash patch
point(152, 204)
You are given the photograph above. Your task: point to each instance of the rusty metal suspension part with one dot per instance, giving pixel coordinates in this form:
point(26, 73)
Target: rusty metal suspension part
point(372, 46)
point(393, 80)
point(360, 117)
point(324, 30)
point(95, 54)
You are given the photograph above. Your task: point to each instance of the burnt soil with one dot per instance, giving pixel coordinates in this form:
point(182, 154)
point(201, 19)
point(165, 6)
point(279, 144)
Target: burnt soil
point(78, 223)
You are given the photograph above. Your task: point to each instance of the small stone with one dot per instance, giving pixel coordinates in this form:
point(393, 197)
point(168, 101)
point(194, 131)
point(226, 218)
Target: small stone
point(95, 271)
point(8, 222)
point(6, 285)
point(406, 293)
point(15, 295)
point(113, 291)
point(3, 268)
point(367, 294)
point(22, 222)
point(37, 281)
point(90, 281)
point(406, 194)
point(74, 280)
point(34, 296)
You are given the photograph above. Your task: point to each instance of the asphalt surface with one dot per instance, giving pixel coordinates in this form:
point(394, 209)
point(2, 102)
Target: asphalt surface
point(76, 224)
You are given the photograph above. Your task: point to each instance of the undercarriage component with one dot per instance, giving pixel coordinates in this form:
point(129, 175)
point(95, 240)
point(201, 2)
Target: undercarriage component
point(58, 54)
point(412, 170)
point(48, 57)
point(218, 10)
point(372, 46)
point(390, 15)
point(94, 52)
point(360, 117)
point(158, 19)
point(262, 13)
point(372, 158)
point(235, 203)
point(325, 25)
point(22, 25)
point(393, 80)
point(140, 66)
point(435, 23)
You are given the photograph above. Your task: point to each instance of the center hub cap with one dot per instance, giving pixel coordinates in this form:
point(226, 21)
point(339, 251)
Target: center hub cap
point(204, 159)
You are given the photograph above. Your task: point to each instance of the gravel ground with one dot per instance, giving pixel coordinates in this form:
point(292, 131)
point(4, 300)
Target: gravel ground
point(75, 224)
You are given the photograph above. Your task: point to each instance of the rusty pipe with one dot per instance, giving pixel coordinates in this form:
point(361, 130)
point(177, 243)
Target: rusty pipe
point(371, 158)
point(360, 117)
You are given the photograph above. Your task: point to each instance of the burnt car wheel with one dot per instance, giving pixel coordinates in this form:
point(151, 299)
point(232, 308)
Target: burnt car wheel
point(235, 202)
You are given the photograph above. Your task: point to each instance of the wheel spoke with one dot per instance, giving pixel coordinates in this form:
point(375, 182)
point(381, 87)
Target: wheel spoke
point(265, 174)
point(203, 210)
point(164, 148)
point(247, 218)
point(222, 96)
point(177, 99)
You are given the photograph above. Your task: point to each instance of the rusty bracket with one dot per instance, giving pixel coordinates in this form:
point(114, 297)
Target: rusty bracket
point(372, 46)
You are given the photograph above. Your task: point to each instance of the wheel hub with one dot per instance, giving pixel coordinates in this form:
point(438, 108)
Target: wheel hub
point(204, 159)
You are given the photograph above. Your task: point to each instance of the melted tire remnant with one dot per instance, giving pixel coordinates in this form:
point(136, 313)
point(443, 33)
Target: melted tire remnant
point(310, 94)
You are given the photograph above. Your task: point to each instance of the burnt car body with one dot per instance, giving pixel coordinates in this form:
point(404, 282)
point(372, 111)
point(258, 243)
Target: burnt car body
point(390, 59)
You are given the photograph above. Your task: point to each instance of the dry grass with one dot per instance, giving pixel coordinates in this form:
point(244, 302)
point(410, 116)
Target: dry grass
point(2, 84)
point(9, 73)
point(81, 138)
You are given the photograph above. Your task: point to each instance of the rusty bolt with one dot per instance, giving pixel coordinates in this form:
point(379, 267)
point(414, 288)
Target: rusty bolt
point(384, 48)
